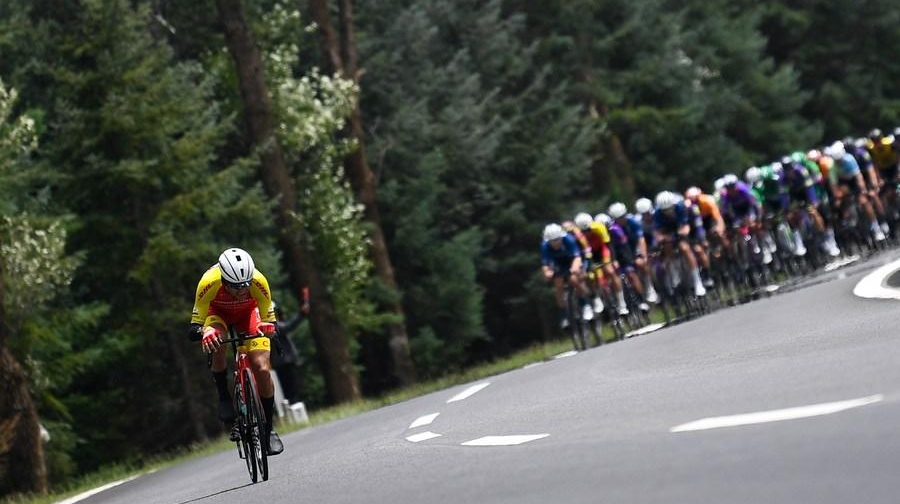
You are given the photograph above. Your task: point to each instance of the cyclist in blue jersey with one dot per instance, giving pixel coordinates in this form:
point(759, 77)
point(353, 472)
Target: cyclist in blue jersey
point(672, 226)
point(847, 178)
point(857, 148)
point(627, 236)
point(561, 263)
point(740, 206)
point(643, 212)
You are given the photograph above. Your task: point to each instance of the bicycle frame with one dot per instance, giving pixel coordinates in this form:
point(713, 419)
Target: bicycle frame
point(252, 445)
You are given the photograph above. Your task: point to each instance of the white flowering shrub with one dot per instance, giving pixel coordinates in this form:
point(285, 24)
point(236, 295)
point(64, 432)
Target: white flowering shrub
point(311, 110)
point(32, 249)
point(17, 136)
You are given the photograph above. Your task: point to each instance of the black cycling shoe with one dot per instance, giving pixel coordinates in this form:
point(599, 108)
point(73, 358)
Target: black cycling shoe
point(235, 433)
point(226, 411)
point(275, 444)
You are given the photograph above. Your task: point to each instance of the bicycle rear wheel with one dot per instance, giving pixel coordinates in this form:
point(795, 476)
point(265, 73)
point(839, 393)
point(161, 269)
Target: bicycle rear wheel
point(256, 423)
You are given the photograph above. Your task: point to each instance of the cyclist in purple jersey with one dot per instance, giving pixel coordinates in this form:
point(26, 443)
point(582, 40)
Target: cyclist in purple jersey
point(740, 206)
point(627, 233)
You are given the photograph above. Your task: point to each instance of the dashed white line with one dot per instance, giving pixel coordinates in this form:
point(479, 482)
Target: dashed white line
point(423, 420)
point(533, 364)
point(565, 354)
point(776, 415)
point(468, 392)
point(423, 436)
point(504, 440)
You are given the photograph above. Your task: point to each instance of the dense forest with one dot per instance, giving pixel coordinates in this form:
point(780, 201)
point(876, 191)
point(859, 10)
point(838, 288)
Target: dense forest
point(398, 158)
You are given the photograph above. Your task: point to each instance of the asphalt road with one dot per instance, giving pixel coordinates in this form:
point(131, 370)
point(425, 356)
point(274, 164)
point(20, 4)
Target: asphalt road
point(601, 423)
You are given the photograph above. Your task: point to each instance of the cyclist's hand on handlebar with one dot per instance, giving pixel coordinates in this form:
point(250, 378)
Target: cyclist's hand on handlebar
point(266, 328)
point(211, 341)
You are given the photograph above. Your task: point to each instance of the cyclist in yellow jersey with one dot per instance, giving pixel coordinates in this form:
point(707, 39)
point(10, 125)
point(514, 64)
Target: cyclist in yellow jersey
point(234, 293)
point(886, 158)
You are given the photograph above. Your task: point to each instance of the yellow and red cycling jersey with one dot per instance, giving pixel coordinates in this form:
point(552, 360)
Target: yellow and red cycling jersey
point(213, 303)
point(597, 237)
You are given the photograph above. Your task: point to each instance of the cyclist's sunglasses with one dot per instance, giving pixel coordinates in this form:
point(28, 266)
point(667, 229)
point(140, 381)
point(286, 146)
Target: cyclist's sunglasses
point(237, 286)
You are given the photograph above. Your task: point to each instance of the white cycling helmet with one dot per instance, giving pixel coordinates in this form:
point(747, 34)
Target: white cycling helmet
point(719, 184)
point(752, 176)
point(666, 200)
point(553, 232)
point(583, 221)
point(236, 266)
point(617, 210)
point(692, 193)
point(603, 218)
point(643, 205)
point(838, 150)
point(730, 180)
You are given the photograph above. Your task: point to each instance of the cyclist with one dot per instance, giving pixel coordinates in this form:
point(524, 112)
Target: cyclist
point(561, 262)
point(801, 190)
point(706, 204)
point(886, 158)
point(672, 225)
point(738, 204)
point(597, 236)
point(627, 236)
point(643, 211)
point(810, 162)
point(857, 148)
point(847, 177)
point(234, 293)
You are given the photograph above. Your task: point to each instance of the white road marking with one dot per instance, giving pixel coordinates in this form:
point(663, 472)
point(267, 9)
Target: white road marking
point(423, 420)
point(533, 364)
point(565, 354)
point(776, 415)
point(468, 392)
point(90, 493)
point(872, 285)
point(423, 436)
point(504, 440)
point(645, 330)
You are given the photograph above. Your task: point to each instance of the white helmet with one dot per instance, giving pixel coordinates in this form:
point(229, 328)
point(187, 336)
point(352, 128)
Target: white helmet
point(838, 150)
point(553, 232)
point(236, 266)
point(617, 210)
point(730, 180)
point(604, 219)
point(666, 199)
point(752, 176)
point(643, 205)
point(583, 221)
point(719, 184)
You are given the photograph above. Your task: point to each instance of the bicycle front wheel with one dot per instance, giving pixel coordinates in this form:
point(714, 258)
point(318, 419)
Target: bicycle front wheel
point(243, 445)
point(259, 435)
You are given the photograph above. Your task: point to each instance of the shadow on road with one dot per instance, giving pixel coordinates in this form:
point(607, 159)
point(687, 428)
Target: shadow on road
point(198, 499)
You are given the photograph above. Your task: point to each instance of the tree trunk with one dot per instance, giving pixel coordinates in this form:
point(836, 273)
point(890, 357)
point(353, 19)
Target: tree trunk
point(340, 56)
point(179, 360)
point(329, 334)
point(22, 465)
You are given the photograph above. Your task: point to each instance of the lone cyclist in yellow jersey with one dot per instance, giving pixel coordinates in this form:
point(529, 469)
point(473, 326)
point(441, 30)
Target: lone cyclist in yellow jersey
point(234, 293)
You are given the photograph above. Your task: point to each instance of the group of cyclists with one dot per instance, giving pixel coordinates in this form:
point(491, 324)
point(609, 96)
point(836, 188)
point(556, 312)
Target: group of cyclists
point(805, 207)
